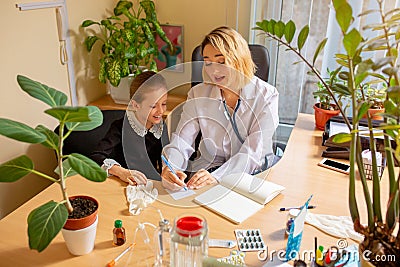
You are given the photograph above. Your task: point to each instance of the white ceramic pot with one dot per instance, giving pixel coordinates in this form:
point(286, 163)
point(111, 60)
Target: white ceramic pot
point(80, 242)
point(121, 94)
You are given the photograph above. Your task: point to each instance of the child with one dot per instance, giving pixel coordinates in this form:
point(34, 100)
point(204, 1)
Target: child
point(131, 149)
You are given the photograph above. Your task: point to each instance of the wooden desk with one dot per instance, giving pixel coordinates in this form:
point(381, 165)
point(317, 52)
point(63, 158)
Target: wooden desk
point(297, 171)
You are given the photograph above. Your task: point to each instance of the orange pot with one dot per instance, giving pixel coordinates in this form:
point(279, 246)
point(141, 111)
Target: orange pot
point(373, 111)
point(75, 224)
point(323, 115)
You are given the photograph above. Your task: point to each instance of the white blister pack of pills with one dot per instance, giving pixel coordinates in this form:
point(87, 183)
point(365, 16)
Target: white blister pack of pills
point(235, 258)
point(249, 239)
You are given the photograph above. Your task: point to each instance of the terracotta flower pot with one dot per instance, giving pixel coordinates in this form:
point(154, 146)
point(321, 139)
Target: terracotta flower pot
point(373, 111)
point(323, 115)
point(80, 234)
point(75, 224)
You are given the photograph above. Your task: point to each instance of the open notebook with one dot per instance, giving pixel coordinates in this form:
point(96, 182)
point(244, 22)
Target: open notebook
point(238, 196)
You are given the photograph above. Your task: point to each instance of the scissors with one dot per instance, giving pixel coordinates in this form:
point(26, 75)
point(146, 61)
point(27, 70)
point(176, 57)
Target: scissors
point(335, 258)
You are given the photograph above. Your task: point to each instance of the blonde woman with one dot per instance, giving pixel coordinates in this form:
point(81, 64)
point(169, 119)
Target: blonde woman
point(236, 113)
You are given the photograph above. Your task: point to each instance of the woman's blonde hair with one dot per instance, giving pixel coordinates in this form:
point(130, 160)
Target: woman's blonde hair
point(236, 51)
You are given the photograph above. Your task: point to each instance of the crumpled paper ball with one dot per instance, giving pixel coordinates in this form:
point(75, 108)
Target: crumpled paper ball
point(140, 196)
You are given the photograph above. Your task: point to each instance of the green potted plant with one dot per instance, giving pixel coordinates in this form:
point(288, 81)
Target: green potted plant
point(380, 237)
point(375, 95)
point(128, 41)
point(46, 221)
point(325, 108)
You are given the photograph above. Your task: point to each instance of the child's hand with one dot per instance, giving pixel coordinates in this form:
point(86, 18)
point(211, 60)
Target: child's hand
point(173, 179)
point(200, 179)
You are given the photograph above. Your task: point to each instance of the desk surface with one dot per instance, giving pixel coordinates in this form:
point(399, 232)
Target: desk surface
point(297, 171)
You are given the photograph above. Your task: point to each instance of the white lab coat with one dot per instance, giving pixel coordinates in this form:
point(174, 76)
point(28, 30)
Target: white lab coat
point(257, 119)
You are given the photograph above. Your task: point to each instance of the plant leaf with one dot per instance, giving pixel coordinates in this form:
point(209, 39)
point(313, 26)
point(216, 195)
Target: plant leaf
point(121, 7)
point(95, 117)
point(87, 167)
point(88, 22)
point(279, 29)
point(342, 138)
point(302, 38)
point(351, 41)
point(42, 92)
point(44, 223)
point(15, 169)
point(52, 138)
point(69, 114)
point(21, 132)
point(319, 49)
point(290, 29)
point(344, 15)
point(90, 41)
point(68, 170)
point(362, 110)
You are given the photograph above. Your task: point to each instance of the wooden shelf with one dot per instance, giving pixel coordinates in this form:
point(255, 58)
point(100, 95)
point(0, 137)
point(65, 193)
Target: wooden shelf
point(106, 103)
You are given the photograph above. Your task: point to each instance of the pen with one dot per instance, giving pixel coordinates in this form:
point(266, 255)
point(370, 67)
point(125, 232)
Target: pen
point(114, 261)
point(171, 169)
point(285, 209)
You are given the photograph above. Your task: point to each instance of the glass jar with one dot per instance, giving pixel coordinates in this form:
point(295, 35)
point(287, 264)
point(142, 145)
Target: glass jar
point(189, 241)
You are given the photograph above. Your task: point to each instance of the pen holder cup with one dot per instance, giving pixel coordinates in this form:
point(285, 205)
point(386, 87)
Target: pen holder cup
point(368, 171)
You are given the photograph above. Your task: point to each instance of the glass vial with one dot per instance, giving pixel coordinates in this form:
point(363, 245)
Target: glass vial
point(119, 236)
point(162, 241)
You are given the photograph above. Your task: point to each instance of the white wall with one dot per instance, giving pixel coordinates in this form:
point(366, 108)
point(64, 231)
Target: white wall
point(30, 47)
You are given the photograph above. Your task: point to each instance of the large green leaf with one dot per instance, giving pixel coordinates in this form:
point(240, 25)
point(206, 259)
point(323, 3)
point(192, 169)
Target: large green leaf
point(68, 170)
point(87, 167)
point(96, 119)
point(52, 138)
point(15, 169)
point(279, 29)
point(302, 38)
point(290, 29)
point(21, 132)
point(88, 22)
point(44, 223)
point(69, 114)
point(42, 92)
point(351, 42)
point(344, 15)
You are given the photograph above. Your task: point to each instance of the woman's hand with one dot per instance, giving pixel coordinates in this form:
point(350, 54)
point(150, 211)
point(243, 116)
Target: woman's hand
point(172, 181)
point(200, 179)
point(132, 177)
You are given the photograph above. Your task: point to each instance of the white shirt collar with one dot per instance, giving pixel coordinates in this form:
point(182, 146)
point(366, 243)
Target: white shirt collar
point(140, 129)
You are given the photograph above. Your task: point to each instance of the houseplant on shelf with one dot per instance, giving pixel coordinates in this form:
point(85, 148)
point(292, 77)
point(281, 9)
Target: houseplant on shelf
point(46, 221)
point(381, 240)
point(128, 41)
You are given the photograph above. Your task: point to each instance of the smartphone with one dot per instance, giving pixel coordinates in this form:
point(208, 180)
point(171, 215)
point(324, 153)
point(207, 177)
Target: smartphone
point(335, 165)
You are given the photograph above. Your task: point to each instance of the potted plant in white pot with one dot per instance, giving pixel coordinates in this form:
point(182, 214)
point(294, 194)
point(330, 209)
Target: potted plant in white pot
point(128, 44)
point(381, 236)
point(46, 221)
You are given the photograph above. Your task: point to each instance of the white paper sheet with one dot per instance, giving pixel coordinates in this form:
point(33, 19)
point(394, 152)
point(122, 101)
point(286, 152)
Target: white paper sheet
point(180, 193)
